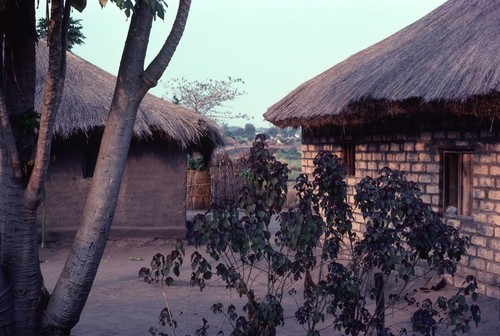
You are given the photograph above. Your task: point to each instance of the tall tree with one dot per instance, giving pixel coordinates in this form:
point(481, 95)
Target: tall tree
point(207, 97)
point(21, 280)
point(23, 305)
point(250, 131)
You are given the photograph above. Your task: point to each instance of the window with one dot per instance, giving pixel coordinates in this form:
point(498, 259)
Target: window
point(91, 150)
point(457, 183)
point(349, 157)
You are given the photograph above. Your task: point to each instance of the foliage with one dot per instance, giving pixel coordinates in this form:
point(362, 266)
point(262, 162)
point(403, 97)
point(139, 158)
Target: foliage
point(249, 131)
point(206, 97)
point(157, 7)
point(273, 131)
point(288, 132)
point(197, 162)
point(234, 131)
point(292, 157)
point(75, 34)
point(290, 153)
point(162, 265)
point(401, 233)
point(402, 229)
point(454, 311)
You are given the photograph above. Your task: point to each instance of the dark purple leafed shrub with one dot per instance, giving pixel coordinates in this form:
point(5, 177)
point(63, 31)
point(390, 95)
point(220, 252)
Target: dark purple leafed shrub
point(304, 257)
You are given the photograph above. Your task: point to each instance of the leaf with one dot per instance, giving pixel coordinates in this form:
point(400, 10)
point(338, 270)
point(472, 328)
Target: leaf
point(80, 5)
point(169, 281)
point(250, 208)
point(214, 255)
point(476, 313)
point(161, 13)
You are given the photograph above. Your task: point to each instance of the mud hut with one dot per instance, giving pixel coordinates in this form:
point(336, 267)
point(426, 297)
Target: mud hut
point(425, 100)
point(153, 193)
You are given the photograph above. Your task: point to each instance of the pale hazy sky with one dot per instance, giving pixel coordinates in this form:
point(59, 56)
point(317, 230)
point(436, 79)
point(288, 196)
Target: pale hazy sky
point(273, 45)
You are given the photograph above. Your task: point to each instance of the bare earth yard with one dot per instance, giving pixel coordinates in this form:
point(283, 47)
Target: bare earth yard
point(122, 304)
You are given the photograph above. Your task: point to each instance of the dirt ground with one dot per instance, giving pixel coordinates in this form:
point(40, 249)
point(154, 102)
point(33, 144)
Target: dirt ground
point(120, 303)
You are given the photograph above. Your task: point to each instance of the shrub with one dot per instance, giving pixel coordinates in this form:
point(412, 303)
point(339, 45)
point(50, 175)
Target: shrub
point(401, 232)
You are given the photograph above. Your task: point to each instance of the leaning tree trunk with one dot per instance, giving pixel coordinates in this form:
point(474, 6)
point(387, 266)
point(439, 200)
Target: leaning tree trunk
point(74, 284)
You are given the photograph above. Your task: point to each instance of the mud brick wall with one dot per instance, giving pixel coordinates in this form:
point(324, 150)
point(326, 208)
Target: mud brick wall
point(152, 195)
point(416, 147)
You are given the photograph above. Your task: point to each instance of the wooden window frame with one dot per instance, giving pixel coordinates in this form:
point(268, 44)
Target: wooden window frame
point(349, 158)
point(457, 182)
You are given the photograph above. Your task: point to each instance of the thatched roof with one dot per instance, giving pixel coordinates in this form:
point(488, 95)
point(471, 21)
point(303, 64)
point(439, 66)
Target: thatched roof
point(448, 61)
point(87, 97)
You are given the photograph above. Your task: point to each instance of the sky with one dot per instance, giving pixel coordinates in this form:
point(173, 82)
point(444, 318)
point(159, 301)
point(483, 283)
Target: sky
point(272, 45)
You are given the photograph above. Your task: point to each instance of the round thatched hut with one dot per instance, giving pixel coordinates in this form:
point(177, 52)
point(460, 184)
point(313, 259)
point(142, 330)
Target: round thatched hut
point(153, 193)
point(425, 100)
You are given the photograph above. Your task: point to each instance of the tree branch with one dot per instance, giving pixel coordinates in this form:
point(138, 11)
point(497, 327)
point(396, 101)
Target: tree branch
point(8, 139)
point(156, 68)
point(54, 86)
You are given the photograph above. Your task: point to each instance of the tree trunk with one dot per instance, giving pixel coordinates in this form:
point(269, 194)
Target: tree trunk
point(74, 284)
point(20, 293)
point(20, 276)
point(7, 324)
point(22, 267)
point(21, 282)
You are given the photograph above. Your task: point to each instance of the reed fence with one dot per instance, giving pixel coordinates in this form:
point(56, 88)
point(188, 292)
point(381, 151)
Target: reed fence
point(220, 185)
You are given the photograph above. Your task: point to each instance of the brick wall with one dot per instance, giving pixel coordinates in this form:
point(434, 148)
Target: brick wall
point(416, 147)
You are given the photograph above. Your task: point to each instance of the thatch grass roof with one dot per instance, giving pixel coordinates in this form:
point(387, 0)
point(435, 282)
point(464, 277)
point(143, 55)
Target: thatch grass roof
point(87, 97)
point(448, 61)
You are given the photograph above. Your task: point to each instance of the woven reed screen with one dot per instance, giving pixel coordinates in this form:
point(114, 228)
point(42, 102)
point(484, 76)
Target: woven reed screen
point(226, 178)
point(220, 185)
point(198, 190)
